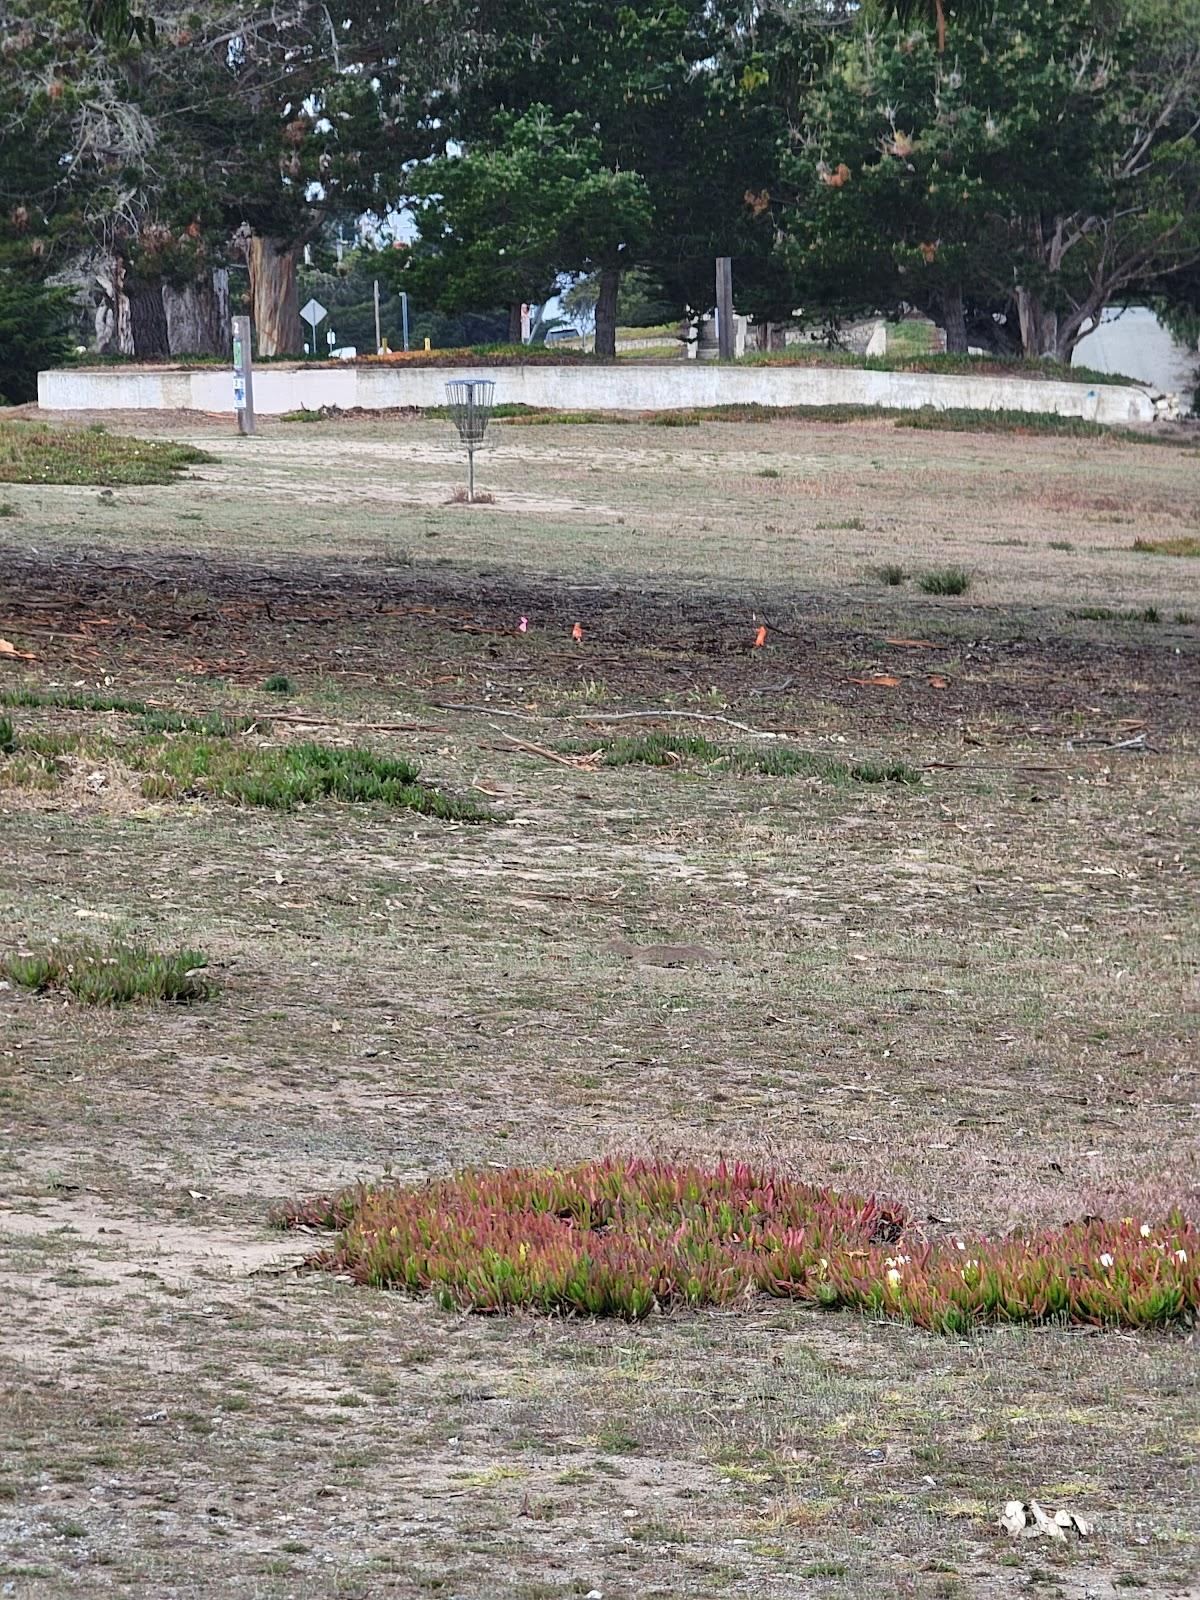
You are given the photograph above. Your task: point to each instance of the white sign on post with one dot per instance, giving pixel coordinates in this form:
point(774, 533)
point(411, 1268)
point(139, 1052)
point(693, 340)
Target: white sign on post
point(312, 313)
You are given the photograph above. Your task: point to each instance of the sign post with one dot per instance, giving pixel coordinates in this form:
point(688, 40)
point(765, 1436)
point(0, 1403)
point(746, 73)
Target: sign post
point(725, 329)
point(313, 313)
point(243, 375)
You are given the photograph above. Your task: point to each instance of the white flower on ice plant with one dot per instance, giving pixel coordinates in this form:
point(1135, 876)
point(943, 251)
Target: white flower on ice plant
point(1106, 1260)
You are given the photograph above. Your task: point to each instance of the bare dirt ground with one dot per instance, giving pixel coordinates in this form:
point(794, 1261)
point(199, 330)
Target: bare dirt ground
point(978, 996)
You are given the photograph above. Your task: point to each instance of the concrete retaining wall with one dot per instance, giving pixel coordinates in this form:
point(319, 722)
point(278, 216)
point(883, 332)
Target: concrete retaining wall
point(646, 386)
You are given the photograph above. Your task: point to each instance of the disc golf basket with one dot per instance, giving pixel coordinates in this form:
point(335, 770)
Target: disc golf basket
point(470, 401)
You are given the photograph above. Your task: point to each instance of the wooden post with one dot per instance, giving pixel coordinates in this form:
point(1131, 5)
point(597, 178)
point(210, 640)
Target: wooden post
point(243, 375)
point(725, 329)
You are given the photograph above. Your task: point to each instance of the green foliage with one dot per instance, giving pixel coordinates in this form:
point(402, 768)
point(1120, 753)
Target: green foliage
point(113, 975)
point(574, 212)
point(32, 760)
point(945, 580)
point(213, 724)
point(891, 573)
point(623, 1238)
point(278, 683)
point(667, 749)
point(30, 452)
point(1108, 614)
point(783, 762)
point(1040, 369)
point(33, 333)
point(72, 700)
point(1037, 167)
point(659, 750)
point(282, 777)
point(8, 736)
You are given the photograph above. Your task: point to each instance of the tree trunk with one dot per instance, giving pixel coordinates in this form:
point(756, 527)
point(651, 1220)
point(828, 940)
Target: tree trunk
point(147, 319)
point(274, 295)
point(606, 311)
point(515, 318)
point(198, 315)
point(114, 331)
point(1039, 326)
point(954, 321)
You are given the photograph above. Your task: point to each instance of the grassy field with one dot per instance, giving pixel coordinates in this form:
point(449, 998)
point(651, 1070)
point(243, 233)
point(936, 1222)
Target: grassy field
point(900, 901)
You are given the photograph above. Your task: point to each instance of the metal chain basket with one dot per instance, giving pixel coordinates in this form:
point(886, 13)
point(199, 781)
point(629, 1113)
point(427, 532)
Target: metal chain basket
point(470, 402)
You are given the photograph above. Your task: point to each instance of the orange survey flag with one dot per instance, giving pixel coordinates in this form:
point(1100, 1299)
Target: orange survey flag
point(577, 634)
point(760, 638)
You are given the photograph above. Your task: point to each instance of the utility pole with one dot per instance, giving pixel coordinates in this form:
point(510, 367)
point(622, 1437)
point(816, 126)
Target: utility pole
point(725, 329)
point(404, 314)
point(378, 339)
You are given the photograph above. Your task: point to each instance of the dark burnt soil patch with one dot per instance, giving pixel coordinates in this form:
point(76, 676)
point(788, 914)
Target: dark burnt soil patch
point(447, 632)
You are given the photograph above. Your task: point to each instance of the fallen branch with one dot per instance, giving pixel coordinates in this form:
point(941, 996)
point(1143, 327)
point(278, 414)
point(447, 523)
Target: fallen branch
point(612, 716)
point(491, 711)
point(696, 716)
point(350, 727)
point(1138, 742)
point(576, 763)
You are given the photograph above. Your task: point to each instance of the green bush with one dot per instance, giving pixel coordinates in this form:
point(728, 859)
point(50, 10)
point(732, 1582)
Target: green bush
point(30, 452)
point(945, 580)
point(281, 777)
point(33, 334)
point(113, 975)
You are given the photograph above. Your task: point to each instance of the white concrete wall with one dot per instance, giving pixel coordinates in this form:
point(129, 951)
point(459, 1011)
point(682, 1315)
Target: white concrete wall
point(645, 386)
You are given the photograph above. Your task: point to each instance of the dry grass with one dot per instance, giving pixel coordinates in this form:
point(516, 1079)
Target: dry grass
point(1187, 544)
point(968, 995)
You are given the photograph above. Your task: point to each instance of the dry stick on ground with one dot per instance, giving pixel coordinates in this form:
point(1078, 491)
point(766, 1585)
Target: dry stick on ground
point(350, 727)
point(611, 716)
point(695, 716)
point(576, 764)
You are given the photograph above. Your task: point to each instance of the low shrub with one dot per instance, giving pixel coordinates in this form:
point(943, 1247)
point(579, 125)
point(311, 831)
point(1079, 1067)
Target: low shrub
point(113, 975)
point(282, 777)
point(33, 760)
point(776, 761)
point(151, 719)
point(624, 1237)
point(891, 573)
point(71, 700)
point(278, 683)
point(1185, 544)
point(1107, 614)
point(659, 750)
point(818, 355)
point(30, 452)
point(945, 580)
point(211, 723)
point(783, 762)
